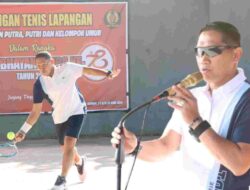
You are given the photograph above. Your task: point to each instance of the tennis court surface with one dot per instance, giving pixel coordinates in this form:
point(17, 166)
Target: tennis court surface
point(38, 163)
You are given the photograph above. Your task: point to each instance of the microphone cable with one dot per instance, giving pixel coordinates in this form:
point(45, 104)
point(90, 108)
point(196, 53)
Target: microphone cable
point(139, 143)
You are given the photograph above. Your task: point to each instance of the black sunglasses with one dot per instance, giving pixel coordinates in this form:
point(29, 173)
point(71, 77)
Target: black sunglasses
point(211, 51)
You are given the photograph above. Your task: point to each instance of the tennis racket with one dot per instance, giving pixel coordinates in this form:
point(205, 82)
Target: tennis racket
point(8, 149)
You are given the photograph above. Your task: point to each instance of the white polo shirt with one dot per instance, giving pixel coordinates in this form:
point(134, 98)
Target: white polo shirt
point(196, 157)
point(62, 92)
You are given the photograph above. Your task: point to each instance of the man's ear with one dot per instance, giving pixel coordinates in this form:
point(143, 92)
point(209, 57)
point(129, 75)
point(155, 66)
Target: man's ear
point(238, 52)
point(52, 61)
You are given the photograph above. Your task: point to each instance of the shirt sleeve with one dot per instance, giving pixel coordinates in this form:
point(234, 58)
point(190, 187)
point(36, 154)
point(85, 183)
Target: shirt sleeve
point(38, 93)
point(240, 124)
point(175, 122)
point(76, 69)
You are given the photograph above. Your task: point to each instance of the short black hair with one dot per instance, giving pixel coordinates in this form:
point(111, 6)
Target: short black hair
point(230, 34)
point(43, 54)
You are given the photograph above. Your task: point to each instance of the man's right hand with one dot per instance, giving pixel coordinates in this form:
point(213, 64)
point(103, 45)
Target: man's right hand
point(130, 140)
point(19, 136)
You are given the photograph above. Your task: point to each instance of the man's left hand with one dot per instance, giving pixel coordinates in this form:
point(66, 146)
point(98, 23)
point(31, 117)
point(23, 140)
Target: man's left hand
point(185, 102)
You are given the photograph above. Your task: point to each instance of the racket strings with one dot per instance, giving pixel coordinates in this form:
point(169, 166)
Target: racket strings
point(8, 149)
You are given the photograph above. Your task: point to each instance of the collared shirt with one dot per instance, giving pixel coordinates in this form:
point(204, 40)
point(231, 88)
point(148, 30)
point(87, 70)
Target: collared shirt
point(62, 92)
point(212, 107)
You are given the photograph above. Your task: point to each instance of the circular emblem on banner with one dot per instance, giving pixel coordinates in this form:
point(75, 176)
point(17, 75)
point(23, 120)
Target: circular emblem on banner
point(112, 18)
point(97, 56)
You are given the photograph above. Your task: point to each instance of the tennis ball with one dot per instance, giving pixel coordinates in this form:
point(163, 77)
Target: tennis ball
point(10, 136)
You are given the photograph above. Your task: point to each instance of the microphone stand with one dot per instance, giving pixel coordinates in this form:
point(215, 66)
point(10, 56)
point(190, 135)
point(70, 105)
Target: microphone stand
point(119, 155)
point(189, 81)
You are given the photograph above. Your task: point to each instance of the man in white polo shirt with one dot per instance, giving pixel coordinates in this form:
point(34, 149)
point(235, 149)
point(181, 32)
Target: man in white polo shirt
point(210, 124)
point(57, 84)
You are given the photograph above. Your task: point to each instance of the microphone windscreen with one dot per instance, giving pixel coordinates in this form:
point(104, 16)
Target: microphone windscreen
point(191, 80)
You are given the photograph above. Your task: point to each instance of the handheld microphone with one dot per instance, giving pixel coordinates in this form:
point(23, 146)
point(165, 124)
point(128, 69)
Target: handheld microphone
point(190, 80)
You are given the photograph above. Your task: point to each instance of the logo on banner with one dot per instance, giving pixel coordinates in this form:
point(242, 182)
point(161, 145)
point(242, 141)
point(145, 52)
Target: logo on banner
point(97, 56)
point(112, 19)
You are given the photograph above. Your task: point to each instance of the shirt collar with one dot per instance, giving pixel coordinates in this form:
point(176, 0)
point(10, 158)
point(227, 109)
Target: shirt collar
point(230, 86)
point(53, 76)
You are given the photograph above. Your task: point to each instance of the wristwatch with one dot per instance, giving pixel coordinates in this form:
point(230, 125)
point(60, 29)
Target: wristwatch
point(201, 128)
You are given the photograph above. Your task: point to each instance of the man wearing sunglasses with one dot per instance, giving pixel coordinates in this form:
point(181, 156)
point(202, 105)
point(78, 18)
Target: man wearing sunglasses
point(212, 125)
